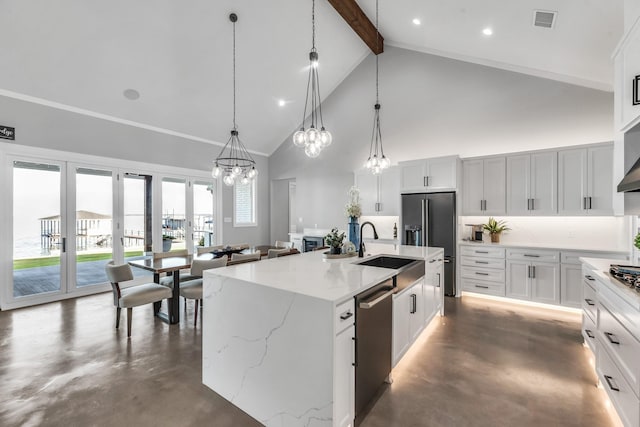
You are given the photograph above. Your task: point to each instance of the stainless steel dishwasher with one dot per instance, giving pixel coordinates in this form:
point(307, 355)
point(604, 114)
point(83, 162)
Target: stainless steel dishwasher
point(374, 311)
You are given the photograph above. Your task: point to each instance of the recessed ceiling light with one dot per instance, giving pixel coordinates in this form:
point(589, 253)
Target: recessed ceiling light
point(131, 94)
point(281, 102)
point(416, 21)
point(487, 31)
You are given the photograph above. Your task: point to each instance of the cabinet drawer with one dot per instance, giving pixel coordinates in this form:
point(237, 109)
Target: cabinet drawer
point(483, 274)
point(572, 257)
point(589, 298)
point(589, 332)
point(624, 399)
point(482, 251)
point(482, 262)
point(534, 255)
point(345, 315)
point(626, 314)
point(483, 287)
point(622, 346)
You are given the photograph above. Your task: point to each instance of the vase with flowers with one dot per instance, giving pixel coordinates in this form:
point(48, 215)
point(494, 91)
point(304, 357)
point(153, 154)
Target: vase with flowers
point(353, 212)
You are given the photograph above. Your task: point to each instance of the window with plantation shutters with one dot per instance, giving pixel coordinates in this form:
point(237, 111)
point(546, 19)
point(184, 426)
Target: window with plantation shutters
point(244, 204)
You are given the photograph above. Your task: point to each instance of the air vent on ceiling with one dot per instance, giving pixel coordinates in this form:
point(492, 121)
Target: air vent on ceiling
point(544, 18)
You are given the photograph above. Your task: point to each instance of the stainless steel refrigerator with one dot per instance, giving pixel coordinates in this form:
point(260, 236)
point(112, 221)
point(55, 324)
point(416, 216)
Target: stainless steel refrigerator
point(429, 219)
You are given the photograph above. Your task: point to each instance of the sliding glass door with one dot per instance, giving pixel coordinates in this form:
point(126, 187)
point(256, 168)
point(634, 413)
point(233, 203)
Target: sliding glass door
point(39, 228)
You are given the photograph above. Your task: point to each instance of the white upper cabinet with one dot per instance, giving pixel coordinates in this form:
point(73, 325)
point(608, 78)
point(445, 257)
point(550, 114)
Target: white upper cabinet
point(484, 186)
point(437, 174)
point(627, 66)
point(379, 194)
point(585, 181)
point(532, 181)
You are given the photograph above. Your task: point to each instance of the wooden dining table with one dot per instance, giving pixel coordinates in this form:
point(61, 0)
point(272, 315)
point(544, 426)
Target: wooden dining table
point(170, 265)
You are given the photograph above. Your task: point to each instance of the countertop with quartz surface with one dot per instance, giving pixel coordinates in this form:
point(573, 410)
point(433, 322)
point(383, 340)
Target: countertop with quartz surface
point(310, 274)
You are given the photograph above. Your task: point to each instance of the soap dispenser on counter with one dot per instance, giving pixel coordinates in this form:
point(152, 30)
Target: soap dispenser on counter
point(395, 231)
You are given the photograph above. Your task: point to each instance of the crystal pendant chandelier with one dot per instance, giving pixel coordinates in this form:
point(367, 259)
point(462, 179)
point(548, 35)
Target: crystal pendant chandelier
point(313, 139)
point(234, 162)
point(377, 161)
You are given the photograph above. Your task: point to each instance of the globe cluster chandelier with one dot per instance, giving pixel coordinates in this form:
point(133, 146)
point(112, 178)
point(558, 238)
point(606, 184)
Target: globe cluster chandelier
point(377, 161)
point(313, 139)
point(234, 161)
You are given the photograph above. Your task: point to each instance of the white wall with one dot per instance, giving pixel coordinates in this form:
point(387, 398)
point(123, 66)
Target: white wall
point(434, 106)
point(46, 127)
point(602, 233)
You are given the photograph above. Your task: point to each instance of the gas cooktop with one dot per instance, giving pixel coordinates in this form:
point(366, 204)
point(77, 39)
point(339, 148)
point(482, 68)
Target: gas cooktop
point(627, 274)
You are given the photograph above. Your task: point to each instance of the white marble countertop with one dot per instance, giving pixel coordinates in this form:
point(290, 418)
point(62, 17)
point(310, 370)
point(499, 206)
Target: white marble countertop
point(601, 269)
point(542, 246)
point(312, 275)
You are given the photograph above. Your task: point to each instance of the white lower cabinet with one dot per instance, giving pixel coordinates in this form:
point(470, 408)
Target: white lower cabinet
point(571, 285)
point(433, 288)
point(610, 329)
point(344, 374)
point(344, 379)
point(408, 319)
point(530, 278)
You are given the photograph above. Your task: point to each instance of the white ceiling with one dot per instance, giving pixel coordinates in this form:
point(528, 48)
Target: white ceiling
point(81, 55)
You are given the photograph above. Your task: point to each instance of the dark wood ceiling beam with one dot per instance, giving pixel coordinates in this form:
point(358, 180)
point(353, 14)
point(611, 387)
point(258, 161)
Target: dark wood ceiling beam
point(364, 28)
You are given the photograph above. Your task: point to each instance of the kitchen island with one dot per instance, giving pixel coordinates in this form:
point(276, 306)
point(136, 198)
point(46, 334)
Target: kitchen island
point(278, 334)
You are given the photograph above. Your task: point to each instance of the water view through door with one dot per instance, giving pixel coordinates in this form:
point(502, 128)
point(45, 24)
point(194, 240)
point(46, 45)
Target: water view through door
point(93, 225)
point(38, 228)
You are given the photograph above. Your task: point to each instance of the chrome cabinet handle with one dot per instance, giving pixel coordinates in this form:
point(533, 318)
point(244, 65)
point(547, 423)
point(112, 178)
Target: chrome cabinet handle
point(533, 271)
point(482, 262)
point(414, 304)
point(589, 333)
point(481, 287)
point(533, 204)
point(438, 280)
point(589, 301)
point(531, 255)
point(346, 315)
point(481, 274)
point(482, 252)
point(589, 199)
point(612, 385)
point(432, 261)
point(611, 338)
point(588, 277)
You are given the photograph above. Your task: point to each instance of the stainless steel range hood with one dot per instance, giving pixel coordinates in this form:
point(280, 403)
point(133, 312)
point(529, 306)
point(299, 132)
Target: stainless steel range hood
point(631, 181)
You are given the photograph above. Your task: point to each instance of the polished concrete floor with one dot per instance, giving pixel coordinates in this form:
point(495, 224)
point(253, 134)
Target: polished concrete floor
point(484, 364)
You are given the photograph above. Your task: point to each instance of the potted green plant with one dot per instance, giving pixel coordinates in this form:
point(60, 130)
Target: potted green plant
point(636, 241)
point(495, 228)
point(334, 239)
point(166, 242)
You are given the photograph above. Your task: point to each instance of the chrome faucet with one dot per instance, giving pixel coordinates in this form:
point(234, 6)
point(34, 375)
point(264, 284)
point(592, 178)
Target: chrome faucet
point(375, 236)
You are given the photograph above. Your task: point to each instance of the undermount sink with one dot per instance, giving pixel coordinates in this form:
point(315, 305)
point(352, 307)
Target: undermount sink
point(386, 262)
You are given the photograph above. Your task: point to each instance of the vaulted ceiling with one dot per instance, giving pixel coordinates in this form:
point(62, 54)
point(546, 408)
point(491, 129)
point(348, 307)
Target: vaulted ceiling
point(82, 56)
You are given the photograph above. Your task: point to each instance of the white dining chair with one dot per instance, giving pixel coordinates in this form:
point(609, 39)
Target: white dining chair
point(273, 253)
point(281, 244)
point(133, 296)
point(192, 289)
